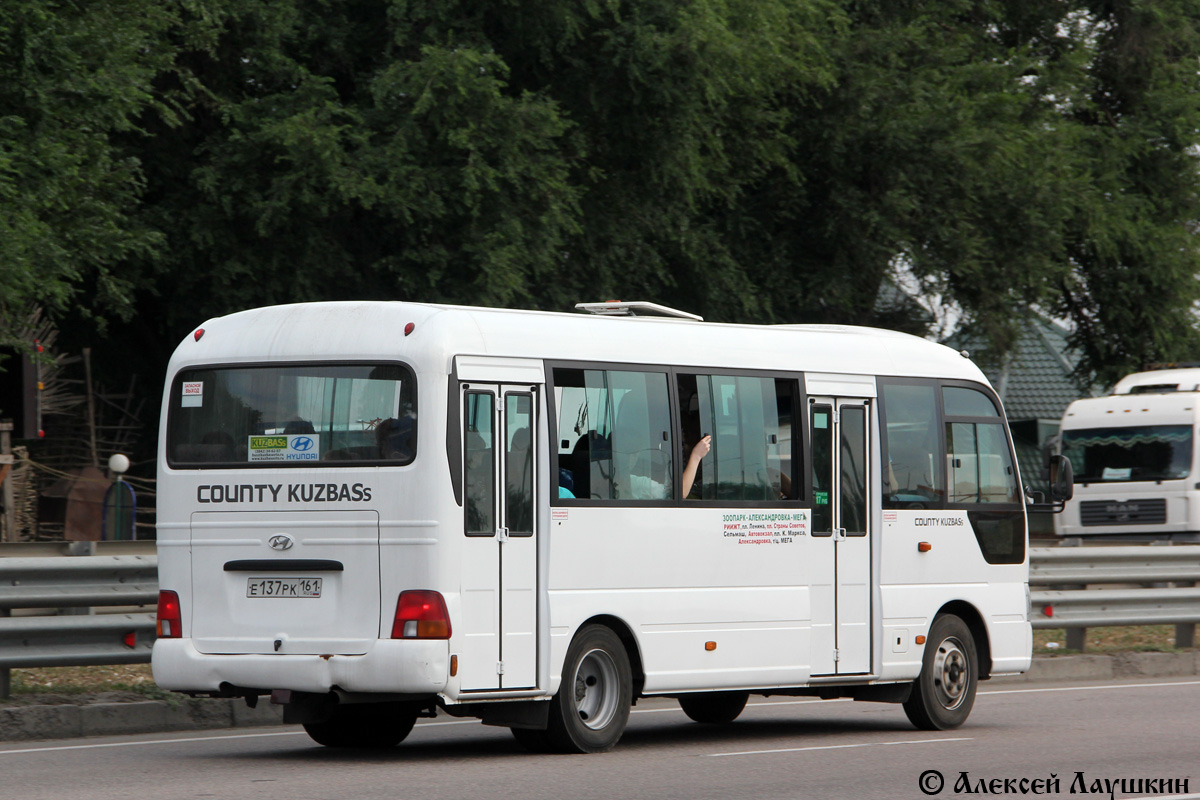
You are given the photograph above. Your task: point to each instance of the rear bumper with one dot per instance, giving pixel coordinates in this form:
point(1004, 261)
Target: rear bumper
point(409, 667)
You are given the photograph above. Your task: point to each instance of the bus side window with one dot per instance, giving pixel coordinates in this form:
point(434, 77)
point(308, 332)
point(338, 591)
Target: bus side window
point(912, 473)
point(978, 461)
point(750, 422)
point(480, 475)
point(614, 435)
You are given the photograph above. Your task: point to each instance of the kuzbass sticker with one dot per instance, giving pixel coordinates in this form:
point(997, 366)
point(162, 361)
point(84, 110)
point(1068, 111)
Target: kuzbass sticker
point(289, 447)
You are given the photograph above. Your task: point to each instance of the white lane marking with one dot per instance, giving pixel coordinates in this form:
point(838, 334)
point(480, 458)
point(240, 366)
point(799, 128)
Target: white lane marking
point(216, 738)
point(1094, 688)
point(840, 746)
point(99, 745)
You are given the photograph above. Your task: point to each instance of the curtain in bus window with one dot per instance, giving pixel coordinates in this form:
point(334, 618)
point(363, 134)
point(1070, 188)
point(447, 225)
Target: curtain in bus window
point(749, 420)
point(1135, 453)
point(979, 464)
point(480, 471)
point(519, 464)
point(641, 436)
point(912, 476)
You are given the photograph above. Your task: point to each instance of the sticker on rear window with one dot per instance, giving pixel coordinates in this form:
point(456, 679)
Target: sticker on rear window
point(284, 447)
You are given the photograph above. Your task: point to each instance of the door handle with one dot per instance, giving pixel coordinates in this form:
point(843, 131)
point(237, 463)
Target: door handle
point(502, 534)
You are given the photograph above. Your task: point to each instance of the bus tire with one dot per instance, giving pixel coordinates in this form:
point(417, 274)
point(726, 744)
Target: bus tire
point(362, 727)
point(714, 708)
point(591, 708)
point(944, 692)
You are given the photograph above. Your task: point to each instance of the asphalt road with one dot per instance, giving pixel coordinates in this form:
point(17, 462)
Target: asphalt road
point(779, 748)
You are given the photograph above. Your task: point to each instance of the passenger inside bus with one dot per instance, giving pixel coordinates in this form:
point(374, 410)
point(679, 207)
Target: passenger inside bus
point(394, 439)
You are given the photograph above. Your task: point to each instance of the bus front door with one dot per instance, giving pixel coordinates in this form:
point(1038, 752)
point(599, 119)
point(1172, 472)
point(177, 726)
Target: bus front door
point(841, 589)
point(498, 648)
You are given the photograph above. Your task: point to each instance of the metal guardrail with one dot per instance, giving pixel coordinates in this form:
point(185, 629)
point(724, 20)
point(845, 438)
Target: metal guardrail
point(1071, 604)
point(75, 636)
point(80, 583)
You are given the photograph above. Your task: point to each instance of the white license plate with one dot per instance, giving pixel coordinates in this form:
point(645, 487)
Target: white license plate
point(283, 587)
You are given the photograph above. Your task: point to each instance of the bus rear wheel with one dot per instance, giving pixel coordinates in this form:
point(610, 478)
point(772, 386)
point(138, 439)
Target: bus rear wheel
point(944, 692)
point(363, 727)
point(714, 708)
point(591, 708)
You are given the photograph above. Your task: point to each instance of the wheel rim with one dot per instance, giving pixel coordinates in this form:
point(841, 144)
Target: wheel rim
point(951, 673)
point(596, 689)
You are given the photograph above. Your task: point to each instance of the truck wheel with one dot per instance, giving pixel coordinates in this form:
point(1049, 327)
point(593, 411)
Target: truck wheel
point(944, 692)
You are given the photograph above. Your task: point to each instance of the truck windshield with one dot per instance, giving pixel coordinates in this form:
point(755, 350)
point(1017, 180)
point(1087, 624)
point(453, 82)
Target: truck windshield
point(1141, 453)
point(292, 415)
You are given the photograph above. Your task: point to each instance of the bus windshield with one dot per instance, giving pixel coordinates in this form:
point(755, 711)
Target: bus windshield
point(1140, 453)
point(292, 415)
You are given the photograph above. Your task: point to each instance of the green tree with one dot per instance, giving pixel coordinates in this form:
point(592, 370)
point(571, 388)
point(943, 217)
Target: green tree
point(471, 152)
point(1006, 154)
point(73, 76)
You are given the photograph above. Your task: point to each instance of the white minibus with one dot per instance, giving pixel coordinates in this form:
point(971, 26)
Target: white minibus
point(370, 511)
point(1134, 459)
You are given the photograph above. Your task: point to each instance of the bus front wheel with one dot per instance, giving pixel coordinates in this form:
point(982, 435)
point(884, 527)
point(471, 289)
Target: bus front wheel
point(591, 708)
point(944, 692)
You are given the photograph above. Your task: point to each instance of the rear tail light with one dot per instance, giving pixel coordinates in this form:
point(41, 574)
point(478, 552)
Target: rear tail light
point(170, 624)
point(421, 615)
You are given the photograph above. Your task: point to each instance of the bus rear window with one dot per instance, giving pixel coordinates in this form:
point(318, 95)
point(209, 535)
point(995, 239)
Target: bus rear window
point(292, 415)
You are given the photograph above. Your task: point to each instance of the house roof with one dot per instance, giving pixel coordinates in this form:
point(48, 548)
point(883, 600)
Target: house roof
point(1035, 382)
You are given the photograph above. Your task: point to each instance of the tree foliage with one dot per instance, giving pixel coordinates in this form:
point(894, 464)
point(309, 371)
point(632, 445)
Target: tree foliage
point(766, 160)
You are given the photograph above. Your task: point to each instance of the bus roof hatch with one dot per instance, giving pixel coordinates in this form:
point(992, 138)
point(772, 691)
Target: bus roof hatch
point(635, 308)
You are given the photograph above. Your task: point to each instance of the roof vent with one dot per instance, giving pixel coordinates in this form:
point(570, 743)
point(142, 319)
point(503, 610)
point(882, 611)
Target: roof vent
point(635, 308)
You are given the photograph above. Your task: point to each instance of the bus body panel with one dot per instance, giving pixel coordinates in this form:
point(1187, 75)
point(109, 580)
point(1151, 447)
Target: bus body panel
point(250, 607)
point(676, 577)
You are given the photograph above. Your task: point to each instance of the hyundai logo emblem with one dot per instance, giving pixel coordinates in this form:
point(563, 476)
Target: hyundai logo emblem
point(280, 541)
point(302, 444)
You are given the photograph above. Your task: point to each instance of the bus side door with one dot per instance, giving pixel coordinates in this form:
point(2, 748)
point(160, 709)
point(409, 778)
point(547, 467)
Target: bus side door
point(499, 569)
point(841, 527)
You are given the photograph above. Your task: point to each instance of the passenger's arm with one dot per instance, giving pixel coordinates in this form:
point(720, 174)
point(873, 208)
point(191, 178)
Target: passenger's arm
point(693, 464)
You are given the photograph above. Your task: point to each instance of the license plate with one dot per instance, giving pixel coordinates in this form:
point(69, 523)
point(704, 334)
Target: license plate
point(283, 587)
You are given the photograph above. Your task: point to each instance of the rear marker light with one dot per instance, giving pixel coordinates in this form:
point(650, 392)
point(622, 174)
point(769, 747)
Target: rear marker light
point(170, 625)
point(131, 639)
point(421, 614)
point(199, 332)
point(409, 328)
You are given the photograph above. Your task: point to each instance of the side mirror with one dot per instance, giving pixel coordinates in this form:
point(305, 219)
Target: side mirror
point(1062, 479)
